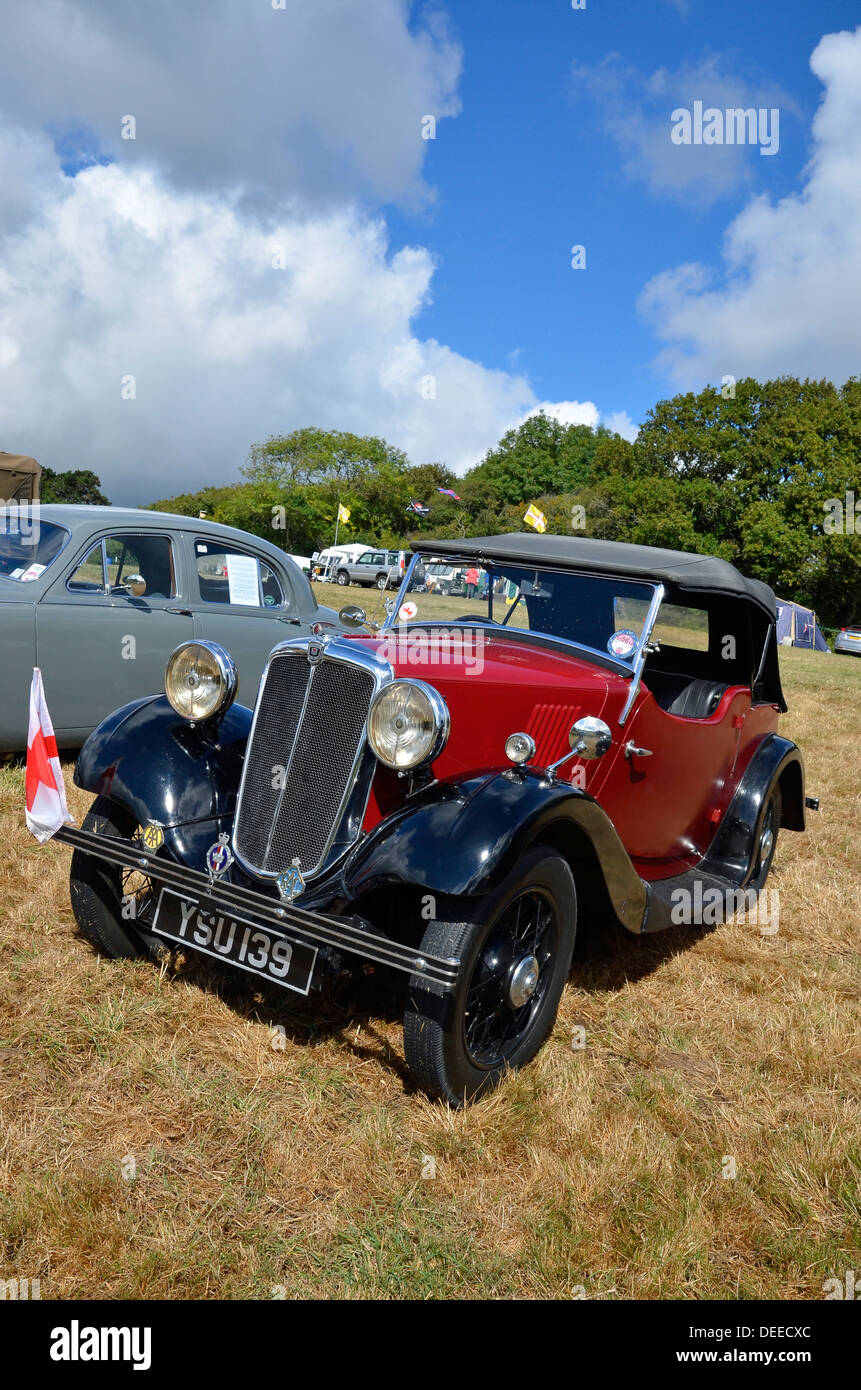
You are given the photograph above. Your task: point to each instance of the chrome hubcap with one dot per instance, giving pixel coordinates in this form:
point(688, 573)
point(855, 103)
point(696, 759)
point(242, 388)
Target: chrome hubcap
point(766, 842)
point(523, 982)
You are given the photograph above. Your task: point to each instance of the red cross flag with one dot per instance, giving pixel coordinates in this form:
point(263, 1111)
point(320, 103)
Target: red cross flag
point(46, 795)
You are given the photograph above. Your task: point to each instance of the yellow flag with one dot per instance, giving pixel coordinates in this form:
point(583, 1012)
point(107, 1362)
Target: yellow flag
point(343, 513)
point(536, 519)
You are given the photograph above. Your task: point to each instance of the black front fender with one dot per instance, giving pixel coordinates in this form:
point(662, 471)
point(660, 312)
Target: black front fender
point(161, 768)
point(462, 840)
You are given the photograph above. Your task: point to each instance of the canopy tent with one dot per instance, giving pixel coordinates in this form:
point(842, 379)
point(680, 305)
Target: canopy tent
point(19, 478)
point(797, 626)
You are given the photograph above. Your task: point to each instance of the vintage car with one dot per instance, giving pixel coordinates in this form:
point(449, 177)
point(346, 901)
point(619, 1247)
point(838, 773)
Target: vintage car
point(447, 796)
point(98, 597)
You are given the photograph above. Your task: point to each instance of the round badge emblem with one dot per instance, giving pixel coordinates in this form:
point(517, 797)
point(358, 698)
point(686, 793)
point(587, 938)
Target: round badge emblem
point(219, 857)
point(216, 859)
point(153, 836)
point(623, 643)
point(407, 611)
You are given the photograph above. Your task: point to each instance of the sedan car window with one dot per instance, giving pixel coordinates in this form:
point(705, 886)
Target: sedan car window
point(135, 557)
point(130, 563)
point(235, 576)
point(27, 546)
point(89, 576)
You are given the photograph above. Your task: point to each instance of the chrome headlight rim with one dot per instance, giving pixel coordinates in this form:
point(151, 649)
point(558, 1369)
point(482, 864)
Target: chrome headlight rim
point(441, 717)
point(227, 674)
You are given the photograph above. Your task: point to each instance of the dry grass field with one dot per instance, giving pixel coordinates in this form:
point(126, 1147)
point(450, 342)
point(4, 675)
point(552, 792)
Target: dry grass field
point(306, 1170)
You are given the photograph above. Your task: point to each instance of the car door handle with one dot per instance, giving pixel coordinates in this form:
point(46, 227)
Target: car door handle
point(183, 612)
point(631, 750)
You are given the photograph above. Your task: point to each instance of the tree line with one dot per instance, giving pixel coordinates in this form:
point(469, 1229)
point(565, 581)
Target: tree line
point(765, 475)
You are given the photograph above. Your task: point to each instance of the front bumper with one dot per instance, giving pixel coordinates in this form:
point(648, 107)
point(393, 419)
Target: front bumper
point(349, 935)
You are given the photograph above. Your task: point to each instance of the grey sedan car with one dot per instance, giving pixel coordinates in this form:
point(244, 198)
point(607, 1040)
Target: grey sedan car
point(98, 597)
point(848, 640)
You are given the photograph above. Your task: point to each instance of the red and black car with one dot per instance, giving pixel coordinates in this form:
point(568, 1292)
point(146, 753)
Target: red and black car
point(447, 796)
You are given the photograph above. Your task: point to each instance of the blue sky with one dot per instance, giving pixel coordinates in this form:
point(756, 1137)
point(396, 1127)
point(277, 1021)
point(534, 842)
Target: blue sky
point(277, 246)
point(528, 168)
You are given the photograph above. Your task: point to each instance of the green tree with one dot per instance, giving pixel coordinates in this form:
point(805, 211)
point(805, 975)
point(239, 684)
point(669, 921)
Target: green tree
point(316, 456)
point(540, 457)
point(79, 485)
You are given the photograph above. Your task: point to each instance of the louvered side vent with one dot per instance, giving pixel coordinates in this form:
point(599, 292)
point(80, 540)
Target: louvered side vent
point(549, 725)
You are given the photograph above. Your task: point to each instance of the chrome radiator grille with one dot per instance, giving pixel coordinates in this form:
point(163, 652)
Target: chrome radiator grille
point(309, 729)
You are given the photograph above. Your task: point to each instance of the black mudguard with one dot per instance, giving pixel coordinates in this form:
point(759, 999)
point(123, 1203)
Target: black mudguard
point(461, 840)
point(163, 770)
point(776, 760)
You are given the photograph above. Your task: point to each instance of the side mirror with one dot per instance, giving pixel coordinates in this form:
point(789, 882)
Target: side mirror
point(355, 618)
point(352, 616)
point(136, 585)
point(589, 737)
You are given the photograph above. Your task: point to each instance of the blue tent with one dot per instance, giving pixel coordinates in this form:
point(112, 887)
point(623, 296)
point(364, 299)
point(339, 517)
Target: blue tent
point(797, 627)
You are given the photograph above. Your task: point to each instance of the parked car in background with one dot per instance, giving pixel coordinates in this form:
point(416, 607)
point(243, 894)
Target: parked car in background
point(848, 640)
point(454, 798)
point(99, 597)
point(380, 569)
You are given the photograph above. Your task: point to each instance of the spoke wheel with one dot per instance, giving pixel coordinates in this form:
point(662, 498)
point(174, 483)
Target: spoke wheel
point(515, 954)
point(509, 979)
point(113, 906)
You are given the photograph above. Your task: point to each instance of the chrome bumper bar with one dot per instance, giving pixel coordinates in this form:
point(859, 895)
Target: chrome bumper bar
point(348, 934)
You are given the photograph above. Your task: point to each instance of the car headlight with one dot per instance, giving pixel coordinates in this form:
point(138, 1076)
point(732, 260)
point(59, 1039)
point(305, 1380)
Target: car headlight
point(200, 680)
point(408, 724)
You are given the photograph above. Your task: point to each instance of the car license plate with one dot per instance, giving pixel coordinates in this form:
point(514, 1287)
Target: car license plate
point(208, 928)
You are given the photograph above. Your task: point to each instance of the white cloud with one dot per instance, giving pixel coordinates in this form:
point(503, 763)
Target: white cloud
point(567, 412)
point(789, 298)
point(585, 413)
point(635, 110)
point(121, 276)
point(320, 101)
point(261, 134)
point(621, 423)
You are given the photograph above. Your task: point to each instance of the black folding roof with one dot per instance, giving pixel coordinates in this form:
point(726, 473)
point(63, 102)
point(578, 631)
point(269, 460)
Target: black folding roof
point(696, 573)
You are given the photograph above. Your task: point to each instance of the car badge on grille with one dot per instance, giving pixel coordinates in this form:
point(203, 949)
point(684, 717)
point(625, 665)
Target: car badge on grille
point(219, 857)
point(315, 652)
point(291, 883)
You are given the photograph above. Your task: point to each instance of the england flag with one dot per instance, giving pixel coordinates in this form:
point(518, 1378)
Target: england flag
point(46, 795)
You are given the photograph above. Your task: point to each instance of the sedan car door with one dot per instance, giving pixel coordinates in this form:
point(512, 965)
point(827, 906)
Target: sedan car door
point(245, 601)
point(107, 625)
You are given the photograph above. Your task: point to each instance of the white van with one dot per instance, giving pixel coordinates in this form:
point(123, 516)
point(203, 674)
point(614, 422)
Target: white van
point(325, 562)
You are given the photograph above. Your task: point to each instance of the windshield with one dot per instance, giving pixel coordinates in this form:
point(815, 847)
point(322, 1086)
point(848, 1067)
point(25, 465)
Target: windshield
point(606, 614)
point(27, 545)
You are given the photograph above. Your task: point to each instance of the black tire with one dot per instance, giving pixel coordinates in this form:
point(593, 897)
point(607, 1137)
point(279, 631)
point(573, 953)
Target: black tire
point(767, 842)
point(343, 578)
point(459, 1046)
point(98, 890)
point(382, 582)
